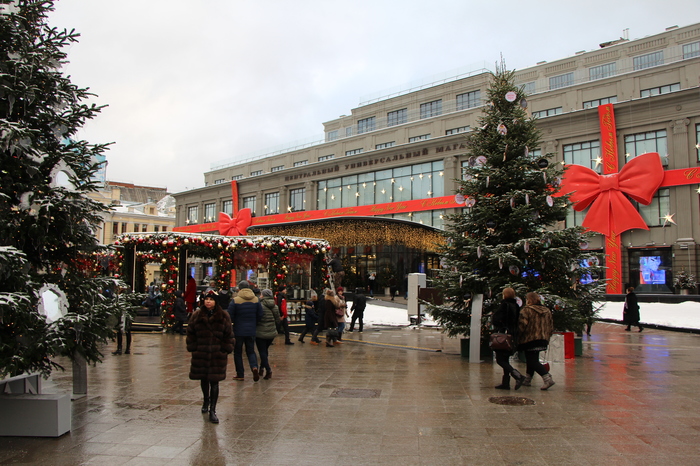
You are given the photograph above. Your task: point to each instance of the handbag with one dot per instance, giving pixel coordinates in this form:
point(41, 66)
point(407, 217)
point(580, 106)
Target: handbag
point(502, 342)
point(339, 312)
point(332, 333)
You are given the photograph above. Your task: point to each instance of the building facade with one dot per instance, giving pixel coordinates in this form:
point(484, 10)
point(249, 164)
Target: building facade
point(401, 156)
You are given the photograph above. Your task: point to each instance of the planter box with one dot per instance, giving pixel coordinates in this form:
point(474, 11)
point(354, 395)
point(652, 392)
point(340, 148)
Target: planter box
point(43, 415)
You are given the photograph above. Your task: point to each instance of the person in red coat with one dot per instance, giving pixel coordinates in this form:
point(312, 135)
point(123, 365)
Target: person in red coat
point(190, 294)
point(210, 340)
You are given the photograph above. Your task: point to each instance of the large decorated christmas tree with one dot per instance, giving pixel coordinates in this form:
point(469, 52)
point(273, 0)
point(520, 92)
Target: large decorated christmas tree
point(510, 232)
point(52, 301)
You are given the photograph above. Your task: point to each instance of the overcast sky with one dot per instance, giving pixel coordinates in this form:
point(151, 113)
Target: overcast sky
point(189, 83)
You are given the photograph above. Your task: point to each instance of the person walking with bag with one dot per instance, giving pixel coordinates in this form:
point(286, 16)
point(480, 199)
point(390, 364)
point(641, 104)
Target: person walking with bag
point(210, 340)
point(341, 313)
point(505, 320)
point(331, 318)
point(266, 331)
point(310, 316)
point(245, 311)
point(535, 328)
point(630, 314)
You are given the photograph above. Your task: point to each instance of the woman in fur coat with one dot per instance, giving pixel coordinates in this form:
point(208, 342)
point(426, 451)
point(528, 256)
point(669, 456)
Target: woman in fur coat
point(535, 328)
point(210, 340)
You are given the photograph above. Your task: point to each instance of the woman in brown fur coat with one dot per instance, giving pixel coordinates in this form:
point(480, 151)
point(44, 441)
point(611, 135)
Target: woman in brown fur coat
point(535, 327)
point(210, 340)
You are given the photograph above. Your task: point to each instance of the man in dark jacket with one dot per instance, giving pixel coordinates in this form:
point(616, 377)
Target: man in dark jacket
point(358, 310)
point(245, 311)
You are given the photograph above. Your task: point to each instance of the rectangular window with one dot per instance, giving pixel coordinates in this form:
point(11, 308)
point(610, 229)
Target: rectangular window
point(461, 129)
point(272, 203)
point(385, 145)
point(654, 213)
point(236, 177)
point(354, 151)
point(697, 139)
point(598, 102)
point(422, 137)
point(431, 109)
point(468, 100)
point(648, 60)
point(115, 228)
point(660, 90)
point(583, 153)
point(136, 227)
point(124, 227)
point(193, 214)
point(227, 207)
point(256, 173)
point(325, 157)
point(297, 199)
point(301, 163)
point(249, 203)
point(348, 131)
point(222, 180)
point(277, 168)
point(144, 228)
point(563, 80)
point(165, 228)
point(529, 88)
point(156, 228)
point(397, 117)
point(331, 135)
point(691, 50)
point(548, 112)
point(602, 71)
point(642, 143)
point(209, 212)
point(365, 125)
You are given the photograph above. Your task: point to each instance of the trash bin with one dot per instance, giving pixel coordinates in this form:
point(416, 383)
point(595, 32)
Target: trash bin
point(569, 351)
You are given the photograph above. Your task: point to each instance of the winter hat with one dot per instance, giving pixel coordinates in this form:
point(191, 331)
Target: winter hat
point(340, 289)
point(211, 294)
point(243, 284)
point(267, 293)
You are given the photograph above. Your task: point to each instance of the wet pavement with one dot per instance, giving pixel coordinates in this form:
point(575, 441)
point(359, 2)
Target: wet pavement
point(400, 396)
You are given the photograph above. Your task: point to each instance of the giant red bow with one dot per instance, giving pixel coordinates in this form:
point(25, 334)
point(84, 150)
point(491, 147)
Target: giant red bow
point(235, 226)
point(610, 209)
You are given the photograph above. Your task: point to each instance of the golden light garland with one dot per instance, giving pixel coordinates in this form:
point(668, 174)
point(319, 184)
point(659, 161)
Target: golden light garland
point(351, 232)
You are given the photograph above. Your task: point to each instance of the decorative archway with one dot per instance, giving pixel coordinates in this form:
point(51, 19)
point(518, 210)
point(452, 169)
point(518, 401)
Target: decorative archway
point(171, 250)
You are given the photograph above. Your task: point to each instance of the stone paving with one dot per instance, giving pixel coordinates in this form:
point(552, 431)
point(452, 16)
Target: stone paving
point(632, 399)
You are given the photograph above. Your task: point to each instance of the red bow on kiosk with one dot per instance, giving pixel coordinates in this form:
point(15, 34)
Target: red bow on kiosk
point(610, 209)
point(237, 225)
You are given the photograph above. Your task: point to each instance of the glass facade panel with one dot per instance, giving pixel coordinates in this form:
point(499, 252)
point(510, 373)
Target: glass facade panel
point(272, 203)
point(297, 199)
point(691, 50)
point(648, 60)
point(584, 153)
point(468, 100)
point(227, 207)
point(209, 215)
point(431, 109)
point(563, 80)
point(642, 143)
point(397, 117)
point(602, 71)
point(249, 203)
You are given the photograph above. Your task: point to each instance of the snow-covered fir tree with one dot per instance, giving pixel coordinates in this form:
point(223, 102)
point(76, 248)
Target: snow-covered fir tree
point(47, 222)
point(510, 233)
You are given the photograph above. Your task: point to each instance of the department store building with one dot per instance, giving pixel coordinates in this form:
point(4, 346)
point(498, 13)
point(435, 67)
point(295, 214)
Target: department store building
point(398, 157)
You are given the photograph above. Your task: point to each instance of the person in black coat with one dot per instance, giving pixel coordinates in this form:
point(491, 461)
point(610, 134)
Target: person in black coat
point(358, 310)
point(310, 316)
point(505, 320)
point(210, 340)
point(180, 313)
point(630, 314)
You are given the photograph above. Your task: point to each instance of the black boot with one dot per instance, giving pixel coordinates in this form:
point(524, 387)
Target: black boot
point(128, 343)
point(519, 378)
point(118, 351)
point(505, 383)
point(205, 392)
point(212, 403)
